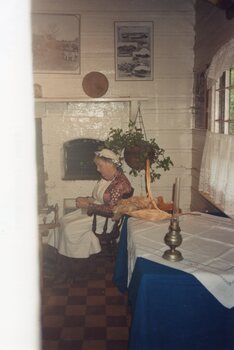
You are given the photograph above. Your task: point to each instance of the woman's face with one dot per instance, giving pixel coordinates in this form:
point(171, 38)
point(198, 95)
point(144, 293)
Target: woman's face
point(106, 169)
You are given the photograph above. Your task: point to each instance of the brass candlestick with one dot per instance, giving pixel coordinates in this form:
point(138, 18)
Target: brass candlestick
point(173, 239)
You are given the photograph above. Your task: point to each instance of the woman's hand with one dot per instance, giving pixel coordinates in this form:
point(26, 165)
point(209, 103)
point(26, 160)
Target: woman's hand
point(83, 202)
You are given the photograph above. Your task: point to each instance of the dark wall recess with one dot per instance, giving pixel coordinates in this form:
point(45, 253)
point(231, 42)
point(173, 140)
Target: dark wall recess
point(78, 159)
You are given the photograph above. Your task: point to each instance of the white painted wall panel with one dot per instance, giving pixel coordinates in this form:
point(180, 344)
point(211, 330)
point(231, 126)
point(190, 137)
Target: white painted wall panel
point(64, 122)
point(167, 115)
point(167, 121)
point(94, 6)
point(173, 46)
point(165, 67)
point(175, 87)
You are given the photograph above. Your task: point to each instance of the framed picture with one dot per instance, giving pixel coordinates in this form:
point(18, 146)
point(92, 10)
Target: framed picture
point(56, 43)
point(134, 50)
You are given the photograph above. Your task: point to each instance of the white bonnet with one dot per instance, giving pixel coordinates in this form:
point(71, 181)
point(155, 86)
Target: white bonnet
point(110, 155)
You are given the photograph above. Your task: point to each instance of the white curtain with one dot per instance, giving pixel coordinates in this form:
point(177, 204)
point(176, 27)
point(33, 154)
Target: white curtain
point(217, 171)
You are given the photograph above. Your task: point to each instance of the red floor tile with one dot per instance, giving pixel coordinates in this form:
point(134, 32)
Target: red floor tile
point(89, 314)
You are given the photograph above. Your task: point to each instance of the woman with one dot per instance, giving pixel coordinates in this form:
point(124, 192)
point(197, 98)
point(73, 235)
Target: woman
point(75, 238)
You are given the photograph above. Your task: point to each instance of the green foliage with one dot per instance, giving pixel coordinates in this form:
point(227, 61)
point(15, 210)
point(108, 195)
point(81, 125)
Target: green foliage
point(118, 140)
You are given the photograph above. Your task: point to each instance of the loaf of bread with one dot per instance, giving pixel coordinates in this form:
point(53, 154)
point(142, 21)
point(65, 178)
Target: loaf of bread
point(147, 208)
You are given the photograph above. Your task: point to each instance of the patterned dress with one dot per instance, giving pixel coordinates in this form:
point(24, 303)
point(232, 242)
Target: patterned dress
point(118, 187)
point(75, 238)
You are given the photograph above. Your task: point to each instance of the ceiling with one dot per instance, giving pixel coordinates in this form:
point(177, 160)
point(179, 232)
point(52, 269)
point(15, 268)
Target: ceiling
point(226, 5)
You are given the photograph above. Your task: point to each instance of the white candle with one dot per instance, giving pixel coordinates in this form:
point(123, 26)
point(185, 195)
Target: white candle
point(176, 199)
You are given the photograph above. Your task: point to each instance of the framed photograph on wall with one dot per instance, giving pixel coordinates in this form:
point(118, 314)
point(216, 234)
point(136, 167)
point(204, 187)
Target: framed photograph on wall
point(134, 50)
point(56, 43)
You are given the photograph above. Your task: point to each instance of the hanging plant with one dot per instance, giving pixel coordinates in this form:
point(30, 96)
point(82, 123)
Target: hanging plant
point(132, 147)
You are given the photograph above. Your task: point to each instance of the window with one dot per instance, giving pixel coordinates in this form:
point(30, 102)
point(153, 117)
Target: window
point(221, 109)
point(217, 166)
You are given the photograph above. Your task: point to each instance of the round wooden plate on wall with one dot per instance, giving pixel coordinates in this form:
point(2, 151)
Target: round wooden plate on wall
point(95, 84)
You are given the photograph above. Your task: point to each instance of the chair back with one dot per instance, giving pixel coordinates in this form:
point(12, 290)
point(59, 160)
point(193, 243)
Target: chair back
point(108, 239)
point(128, 194)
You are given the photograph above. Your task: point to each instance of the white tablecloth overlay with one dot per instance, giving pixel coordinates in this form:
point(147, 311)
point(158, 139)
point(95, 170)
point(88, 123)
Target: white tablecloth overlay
point(207, 249)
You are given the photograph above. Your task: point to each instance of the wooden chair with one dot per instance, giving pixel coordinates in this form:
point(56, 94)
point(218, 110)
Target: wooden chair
point(44, 229)
point(108, 240)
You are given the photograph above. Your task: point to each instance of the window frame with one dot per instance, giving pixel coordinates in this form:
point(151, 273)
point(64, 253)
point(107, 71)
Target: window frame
point(219, 110)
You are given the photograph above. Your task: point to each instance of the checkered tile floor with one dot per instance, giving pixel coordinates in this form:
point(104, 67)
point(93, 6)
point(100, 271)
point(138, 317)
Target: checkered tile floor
point(90, 314)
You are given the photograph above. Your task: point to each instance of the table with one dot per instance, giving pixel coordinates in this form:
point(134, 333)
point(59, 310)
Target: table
point(171, 308)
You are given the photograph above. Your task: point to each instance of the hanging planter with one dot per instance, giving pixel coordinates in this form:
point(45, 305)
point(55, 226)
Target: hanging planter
point(135, 150)
point(132, 145)
point(135, 156)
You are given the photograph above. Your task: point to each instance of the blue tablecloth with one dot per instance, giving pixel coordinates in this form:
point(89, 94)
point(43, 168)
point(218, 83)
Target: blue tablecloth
point(171, 309)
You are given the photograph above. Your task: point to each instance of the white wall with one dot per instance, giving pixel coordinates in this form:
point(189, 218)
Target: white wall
point(209, 38)
point(70, 121)
point(167, 114)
